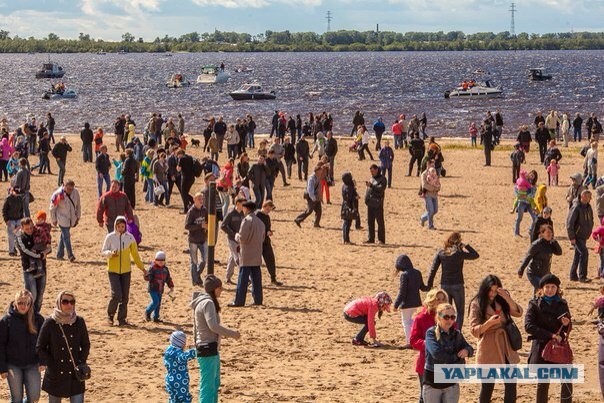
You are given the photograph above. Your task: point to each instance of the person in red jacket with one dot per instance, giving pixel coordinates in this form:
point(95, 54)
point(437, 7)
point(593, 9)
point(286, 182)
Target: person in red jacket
point(363, 311)
point(424, 320)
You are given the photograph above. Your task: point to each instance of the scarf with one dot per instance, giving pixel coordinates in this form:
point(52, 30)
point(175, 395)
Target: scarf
point(61, 317)
point(549, 300)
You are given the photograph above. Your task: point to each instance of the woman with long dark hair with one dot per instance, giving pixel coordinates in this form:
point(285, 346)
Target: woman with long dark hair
point(489, 311)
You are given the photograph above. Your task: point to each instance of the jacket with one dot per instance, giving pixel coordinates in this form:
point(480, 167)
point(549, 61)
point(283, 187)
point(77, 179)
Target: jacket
point(537, 226)
point(423, 321)
point(313, 186)
point(541, 322)
point(386, 157)
point(17, 345)
point(193, 223)
point(429, 189)
point(25, 245)
point(251, 237)
point(160, 171)
point(599, 196)
point(12, 208)
point(103, 163)
point(232, 137)
point(231, 223)
point(331, 147)
point(65, 209)
point(580, 221)
point(126, 248)
point(417, 147)
point(302, 149)
point(524, 136)
point(289, 152)
point(207, 326)
point(60, 150)
point(158, 277)
point(539, 257)
point(257, 174)
point(129, 169)
point(575, 189)
point(411, 282)
point(452, 262)
point(266, 220)
point(552, 153)
point(349, 192)
point(87, 136)
point(21, 181)
point(7, 150)
point(111, 205)
point(542, 136)
point(59, 378)
point(444, 351)
point(374, 196)
point(364, 306)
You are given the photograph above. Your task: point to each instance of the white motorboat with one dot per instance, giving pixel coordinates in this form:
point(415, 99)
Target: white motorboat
point(50, 70)
point(211, 74)
point(178, 80)
point(539, 74)
point(252, 91)
point(475, 89)
point(60, 94)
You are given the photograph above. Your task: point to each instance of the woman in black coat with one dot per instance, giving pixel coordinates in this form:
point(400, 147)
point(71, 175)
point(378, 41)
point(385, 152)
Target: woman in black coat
point(349, 205)
point(547, 314)
point(19, 363)
point(59, 379)
point(539, 256)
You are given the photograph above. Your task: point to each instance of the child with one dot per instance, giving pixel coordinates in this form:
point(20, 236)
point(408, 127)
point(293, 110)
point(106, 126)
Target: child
point(175, 361)
point(518, 158)
point(98, 141)
point(408, 298)
point(363, 311)
point(214, 146)
point(13, 164)
point(523, 190)
point(540, 198)
point(591, 162)
point(543, 219)
point(118, 169)
point(473, 133)
point(598, 235)
point(324, 182)
point(158, 276)
point(552, 172)
point(432, 178)
point(599, 305)
point(42, 240)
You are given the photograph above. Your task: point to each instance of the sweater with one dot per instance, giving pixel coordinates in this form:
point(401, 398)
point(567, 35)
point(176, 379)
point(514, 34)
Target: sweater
point(111, 205)
point(207, 325)
point(364, 306)
point(231, 223)
point(65, 209)
point(251, 237)
point(193, 223)
point(17, 344)
point(452, 262)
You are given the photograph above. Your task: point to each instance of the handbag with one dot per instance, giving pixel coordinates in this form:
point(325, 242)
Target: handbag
point(159, 190)
point(82, 371)
point(513, 334)
point(558, 352)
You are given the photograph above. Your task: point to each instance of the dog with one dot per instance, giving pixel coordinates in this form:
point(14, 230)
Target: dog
point(195, 143)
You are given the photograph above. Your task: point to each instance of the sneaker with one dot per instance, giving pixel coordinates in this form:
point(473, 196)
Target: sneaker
point(147, 317)
point(275, 282)
point(109, 321)
point(72, 259)
point(157, 320)
point(357, 342)
point(581, 280)
point(298, 223)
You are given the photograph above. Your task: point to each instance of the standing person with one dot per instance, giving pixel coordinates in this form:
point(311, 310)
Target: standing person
point(230, 225)
point(548, 317)
point(518, 158)
point(524, 138)
point(374, 200)
point(172, 173)
point(312, 195)
point(397, 133)
point(158, 276)
point(579, 225)
point(35, 281)
point(63, 345)
point(12, 214)
point(21, 184)
point(50, 126)
point(386, 157)
point(129, 176)
point(490, 310)
point(44, 149)
point(423, 123)
point(6, 151)
point(498, 126)
point(577, 123)
point(539, 256)
point(408, 298)
point(452, 258)
point(278, 153)
point(187, 177)
point(487, 140)
point(267, 247)
point(160, 175)
point(430, 186)
point(542, 138)
point(250, 237)
point(363, 311)
point(220, 128)
point(564, 129)
point(274, 124)
point(302, 152)
point(119, 128)
point(364, 134)
point(417, 149)
point(147, 175)
point(181, 125)
point(289, 155)
point(65, 212)
point(119, 248)
point(176, 359)
point(251, 128)
point(349, 205)
point(331, 149)
point(59, 151)
point(102, 165)
point(232, 138)
point(98, 141)
point(112, 205)
point(444, 345)
point(591, 162)
point(19, 363)
point(545, 218)
point(87, 137)
point(473, 131)
point(379, 128)
point(258, 174)
point(208, 332)
point(196, 222)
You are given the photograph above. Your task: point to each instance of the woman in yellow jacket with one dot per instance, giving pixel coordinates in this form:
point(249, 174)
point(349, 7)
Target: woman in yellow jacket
point(119, 248)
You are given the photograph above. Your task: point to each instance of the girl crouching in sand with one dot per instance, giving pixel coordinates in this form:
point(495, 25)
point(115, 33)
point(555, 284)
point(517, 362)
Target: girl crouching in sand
point(363, 311)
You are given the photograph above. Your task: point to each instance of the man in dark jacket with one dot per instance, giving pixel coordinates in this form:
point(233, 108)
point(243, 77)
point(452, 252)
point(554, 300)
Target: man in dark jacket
point(12, 213)
point(21, 184)
point(102, 164)
point(579, 225)
point(196, 222)
point(542, 138)
point(274, 123)
point(378, 128)
point(417, 149)
point(59, 151)
point(220, 129)
point(267, 247)
point(119, 127)
point(487, 140)
point(112, 204)
point(331, 149)
point(129, 171)
point(257, 175)
point(577, 124)
point(187, 178)
point(87, 137)
point(312, 195)
point(230, 225)
point(35, 281)
point(303, 152)
point(374, 199)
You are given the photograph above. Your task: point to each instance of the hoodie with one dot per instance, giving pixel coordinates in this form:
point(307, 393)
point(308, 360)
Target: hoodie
point(207, 322)
point(349, 192)
point(575, 189)
point(7, 150)
point(125, 246)
point(411, 282)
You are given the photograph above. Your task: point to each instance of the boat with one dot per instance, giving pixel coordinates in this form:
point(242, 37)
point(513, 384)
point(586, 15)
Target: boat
point(251, 91)
point(211, 74)
point(67, 93)
point(475, 89)
point(50, 70)
point(178, 80)
point(101, 52)
point(539, 74)
point(243, 69)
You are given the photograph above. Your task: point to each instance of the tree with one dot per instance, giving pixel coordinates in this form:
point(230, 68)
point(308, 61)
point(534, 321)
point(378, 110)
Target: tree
point(127, 37)
point(4, 35)
point(53, 37)
point(84, 37)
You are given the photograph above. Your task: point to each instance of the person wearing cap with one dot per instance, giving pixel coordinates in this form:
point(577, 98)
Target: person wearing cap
point(59, 151)
point(230, 225)
point(363, 311)
point(177, 372)
point(65, 212)
point(312, 194)
point(579, 225)
point(250, 237)
point(208, 333)
point(111, 205)
point(119, 248)
point(196, 222)
point(548, 317)
point(267, 248)
point(575, 188)
point(374, 199)
point(158, 276)
point(12, 213)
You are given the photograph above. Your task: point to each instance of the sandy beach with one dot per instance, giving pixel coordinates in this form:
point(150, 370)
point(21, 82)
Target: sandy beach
point(296, 348)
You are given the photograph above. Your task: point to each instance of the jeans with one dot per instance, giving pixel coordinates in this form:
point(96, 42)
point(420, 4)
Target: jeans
point(346, 230)
point(28, 377)
point(164, 196)
point(154, 305)
point(523, 206)
point(72, 399)
point(360, 320)
point(150, 196)
point(269, 185)
point(64, 243)
point(407, 321)
point(209, 378)
point(61, 165)
point(387, 172)
point(87, 152)
point(36, 286)
point(250, 140)
point(232, 150)
point(245, 274)
point(44, 164)
point(376, 215)
point(120, 295)
point(289, 164)
point(446, 395)
point(473, 141)
point(259, 195)
point(542, 150)
point(580, 260)
point(431, 210)
point(486, 392)
point(26, 212)
point(577, 134)
point(197, 266)
point(233, 259)
point(398, 142)
point(185, 187)
point(224, 200)
point(11, 228)
point(534, 280)
point(4, 169)
point(457, 294)
point(100, 177)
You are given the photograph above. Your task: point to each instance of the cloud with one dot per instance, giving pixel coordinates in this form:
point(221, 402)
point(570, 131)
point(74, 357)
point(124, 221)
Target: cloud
point(92, 7)
point(257, 3)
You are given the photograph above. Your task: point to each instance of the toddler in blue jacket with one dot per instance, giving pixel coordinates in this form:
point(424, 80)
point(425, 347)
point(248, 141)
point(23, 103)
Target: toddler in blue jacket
point(177, 376)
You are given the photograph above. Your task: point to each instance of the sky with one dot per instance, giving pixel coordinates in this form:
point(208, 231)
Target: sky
point(110, 19)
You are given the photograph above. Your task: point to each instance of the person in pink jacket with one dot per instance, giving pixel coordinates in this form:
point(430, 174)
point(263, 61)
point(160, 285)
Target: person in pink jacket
point(363, 311)
point(598, 235)
point(424, 320)
point(6, 150)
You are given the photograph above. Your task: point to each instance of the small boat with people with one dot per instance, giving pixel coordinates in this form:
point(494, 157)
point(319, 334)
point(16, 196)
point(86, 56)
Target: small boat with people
point(241, 69)
point(212, 74)
point(539, 74)
point(252, 91)
point(178, 80)
point(59, 91)
point(472, 88)
point(50, 70)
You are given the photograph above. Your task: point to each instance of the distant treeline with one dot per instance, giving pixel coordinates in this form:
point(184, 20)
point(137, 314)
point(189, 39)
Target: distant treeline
point(338, 41)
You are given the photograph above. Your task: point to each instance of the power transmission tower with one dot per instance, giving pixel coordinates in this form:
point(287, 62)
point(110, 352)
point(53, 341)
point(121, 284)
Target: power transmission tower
point(512, 11)
point(328, 18)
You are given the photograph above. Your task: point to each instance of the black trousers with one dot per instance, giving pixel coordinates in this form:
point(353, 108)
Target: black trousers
point(171, 184)
point(282, 171)
point(269, 259)
point(376, 214)
point(129, 189)
point(415, 160)
point(185, 187)
point(542, 150)
point(487, 154)
point(303, 168)
point(515, 172)
point(486, 391)
point(311, 206)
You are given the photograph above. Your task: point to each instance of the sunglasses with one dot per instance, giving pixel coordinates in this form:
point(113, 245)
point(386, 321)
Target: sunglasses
point(448, 317)
point(24, 303)
point(68, 302)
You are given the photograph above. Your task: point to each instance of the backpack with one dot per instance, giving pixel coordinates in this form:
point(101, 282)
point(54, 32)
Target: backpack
point(197, 168)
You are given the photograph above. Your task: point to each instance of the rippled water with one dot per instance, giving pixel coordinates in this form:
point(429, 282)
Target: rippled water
point(379, 84)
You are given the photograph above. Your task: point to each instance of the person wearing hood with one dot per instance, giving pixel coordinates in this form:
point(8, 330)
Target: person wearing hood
point(6, 150)
point(63, 345)
point(111, 205)
point(177, 373)
point(319, 146)
point(208, 334)
point(575, 189)
point(349, 203)
point(119, 249)
point(408, 298)
point(379, 128)
point(19, 362)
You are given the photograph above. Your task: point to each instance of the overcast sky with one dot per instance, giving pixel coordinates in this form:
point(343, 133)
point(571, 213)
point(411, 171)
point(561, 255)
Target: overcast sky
point(109, 19)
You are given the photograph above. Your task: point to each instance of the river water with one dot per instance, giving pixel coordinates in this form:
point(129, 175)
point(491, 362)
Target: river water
point(379, 84)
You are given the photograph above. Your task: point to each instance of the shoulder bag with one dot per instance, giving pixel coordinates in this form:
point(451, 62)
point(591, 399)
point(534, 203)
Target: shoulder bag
point(513, 334)
point(82, 371)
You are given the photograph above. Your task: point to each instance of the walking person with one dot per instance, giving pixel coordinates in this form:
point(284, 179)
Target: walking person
point(267, 247)
point(577, 124)
point(159, 167)
point(158, 276)
point(331, 149)
point(187, 177)
point(258, 175)
point(542, 138)
point(374, 200)
point(349, 210)
point(59, 151)
point(417, 149)
point(230, 225)
point(386, 157)
point(487, 140)
point(196, 222)
point(539, 256)
point(21, 184)
point(12, 214)
point(50, 126)
point(408, 298)
point(35, 280)
point(312, 195)
point(65, 212)
point(119, 129)
point(87, 137)
point(379, 128)
point(102, 165)
point(364, 134)
point(302, 152)
point(112, 205)
point(430, 186)
point(579, 225)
